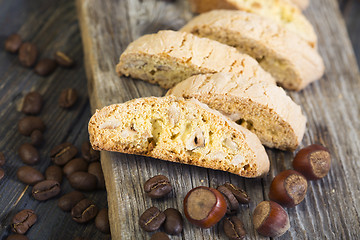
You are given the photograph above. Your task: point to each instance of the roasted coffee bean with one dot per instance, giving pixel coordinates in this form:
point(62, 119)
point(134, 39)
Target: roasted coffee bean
point(240, 194)
point(28, 54)
point(96, 170)
point(29, 175)
point(63, 60)
point(159, 236)
point(231, 202)
point(13, 43)
point(157, 187)
point(68, 97)
point(45, 66)
point(17, 237)
point(28, 124)
point(84, 211)
point(63, 153)
point(2, 159)
point(152, 219)
point(54, 172)
point(234, 228)
point(75, 165)
point(2, 173)
point(69, 200)
point(88, 153)
point(83, 181)
point(37, 138)
point(23, 220)
point(32, 103)
point(45, 190)
point(29, 154)
point(102, 221)
point(173, 224)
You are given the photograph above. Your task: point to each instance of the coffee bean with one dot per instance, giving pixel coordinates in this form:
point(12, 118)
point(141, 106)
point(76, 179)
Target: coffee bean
point(95, 169)
point(13, 43)
point(2, 173)
point(152, 219)
point(45, 66)
point(2, 159)
point(84, 211)
point(68, 97)
point(23, 220)
point(239, 194)
point(75, 165)
point(32, 103)
point(233, 228)
point(231, 202)
point(83, 181)
point(173, 224)
point(159, 236)
point(29, 175)
point(102, 221)
point(45, 190)
point(28, 54)
point(29, 154)
point(157, 187)
point(17, 237)
point(63, 153)
point(88, 153)
point(54, 172)
point(63, 60)
point(37, 138)
point(30, 123)
point(69, 200)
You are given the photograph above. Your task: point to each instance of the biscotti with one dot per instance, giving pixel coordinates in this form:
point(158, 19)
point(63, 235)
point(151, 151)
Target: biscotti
point(289, 59)
point(263, 108)
point(178, 130)
point(283, 12)
point(169, 57)
point(303, 4)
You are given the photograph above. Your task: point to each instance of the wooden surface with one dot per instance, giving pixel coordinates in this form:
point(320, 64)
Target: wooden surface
point(332, 205)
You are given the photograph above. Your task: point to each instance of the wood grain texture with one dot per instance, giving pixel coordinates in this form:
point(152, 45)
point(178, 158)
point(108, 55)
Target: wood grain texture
point(331, 208)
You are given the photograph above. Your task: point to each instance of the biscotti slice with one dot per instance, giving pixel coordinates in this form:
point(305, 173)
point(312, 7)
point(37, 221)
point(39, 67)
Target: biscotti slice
point(303, 4)
point(289, 59)
point(263, 108)
point(169, 57)
point(178, 130)
point(283, 12)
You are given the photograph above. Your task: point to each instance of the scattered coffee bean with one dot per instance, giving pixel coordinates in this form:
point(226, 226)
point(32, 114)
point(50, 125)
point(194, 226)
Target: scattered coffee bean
point(2, 173)
point(29, 154)
point(54, 172)
point(152, 219)
point(45, 66)
point(231, 202)
point(28, 124)
point(96, 170)
point(13, 43)
point(17, 237)
point(83, 181)
point(84, 211)
point(239, 194)
point(45, 190)
point(159, 236)
point(37, 138)
point(63, 153)
point(173, 224)
point(68, 97)
point(157, 186)
point(32, 103)
point(234, 228)
point(63, 60)
point(102, 221)
point(29, 175)
point(75, 165)
point(69, 200)
point(23, 220)
point(88, 153)
point(2, 159)
point(28, 54)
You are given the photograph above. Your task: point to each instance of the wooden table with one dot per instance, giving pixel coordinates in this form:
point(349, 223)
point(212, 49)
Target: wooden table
point(52, 25)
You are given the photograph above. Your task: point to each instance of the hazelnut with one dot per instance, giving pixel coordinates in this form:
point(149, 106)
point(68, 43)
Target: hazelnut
point(288, 188)
point(204, 206)
point(270, 219)
point(313, 162)
point(196, 140)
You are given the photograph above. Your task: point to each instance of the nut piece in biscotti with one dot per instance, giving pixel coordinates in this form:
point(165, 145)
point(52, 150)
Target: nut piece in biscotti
point(282, 53)
point(263, 108)
point(282, 12)
point(169, 57)
point(303, 4)
point(178, 130)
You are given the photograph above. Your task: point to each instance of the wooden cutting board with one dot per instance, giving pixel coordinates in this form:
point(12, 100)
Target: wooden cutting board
point(331, 208)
